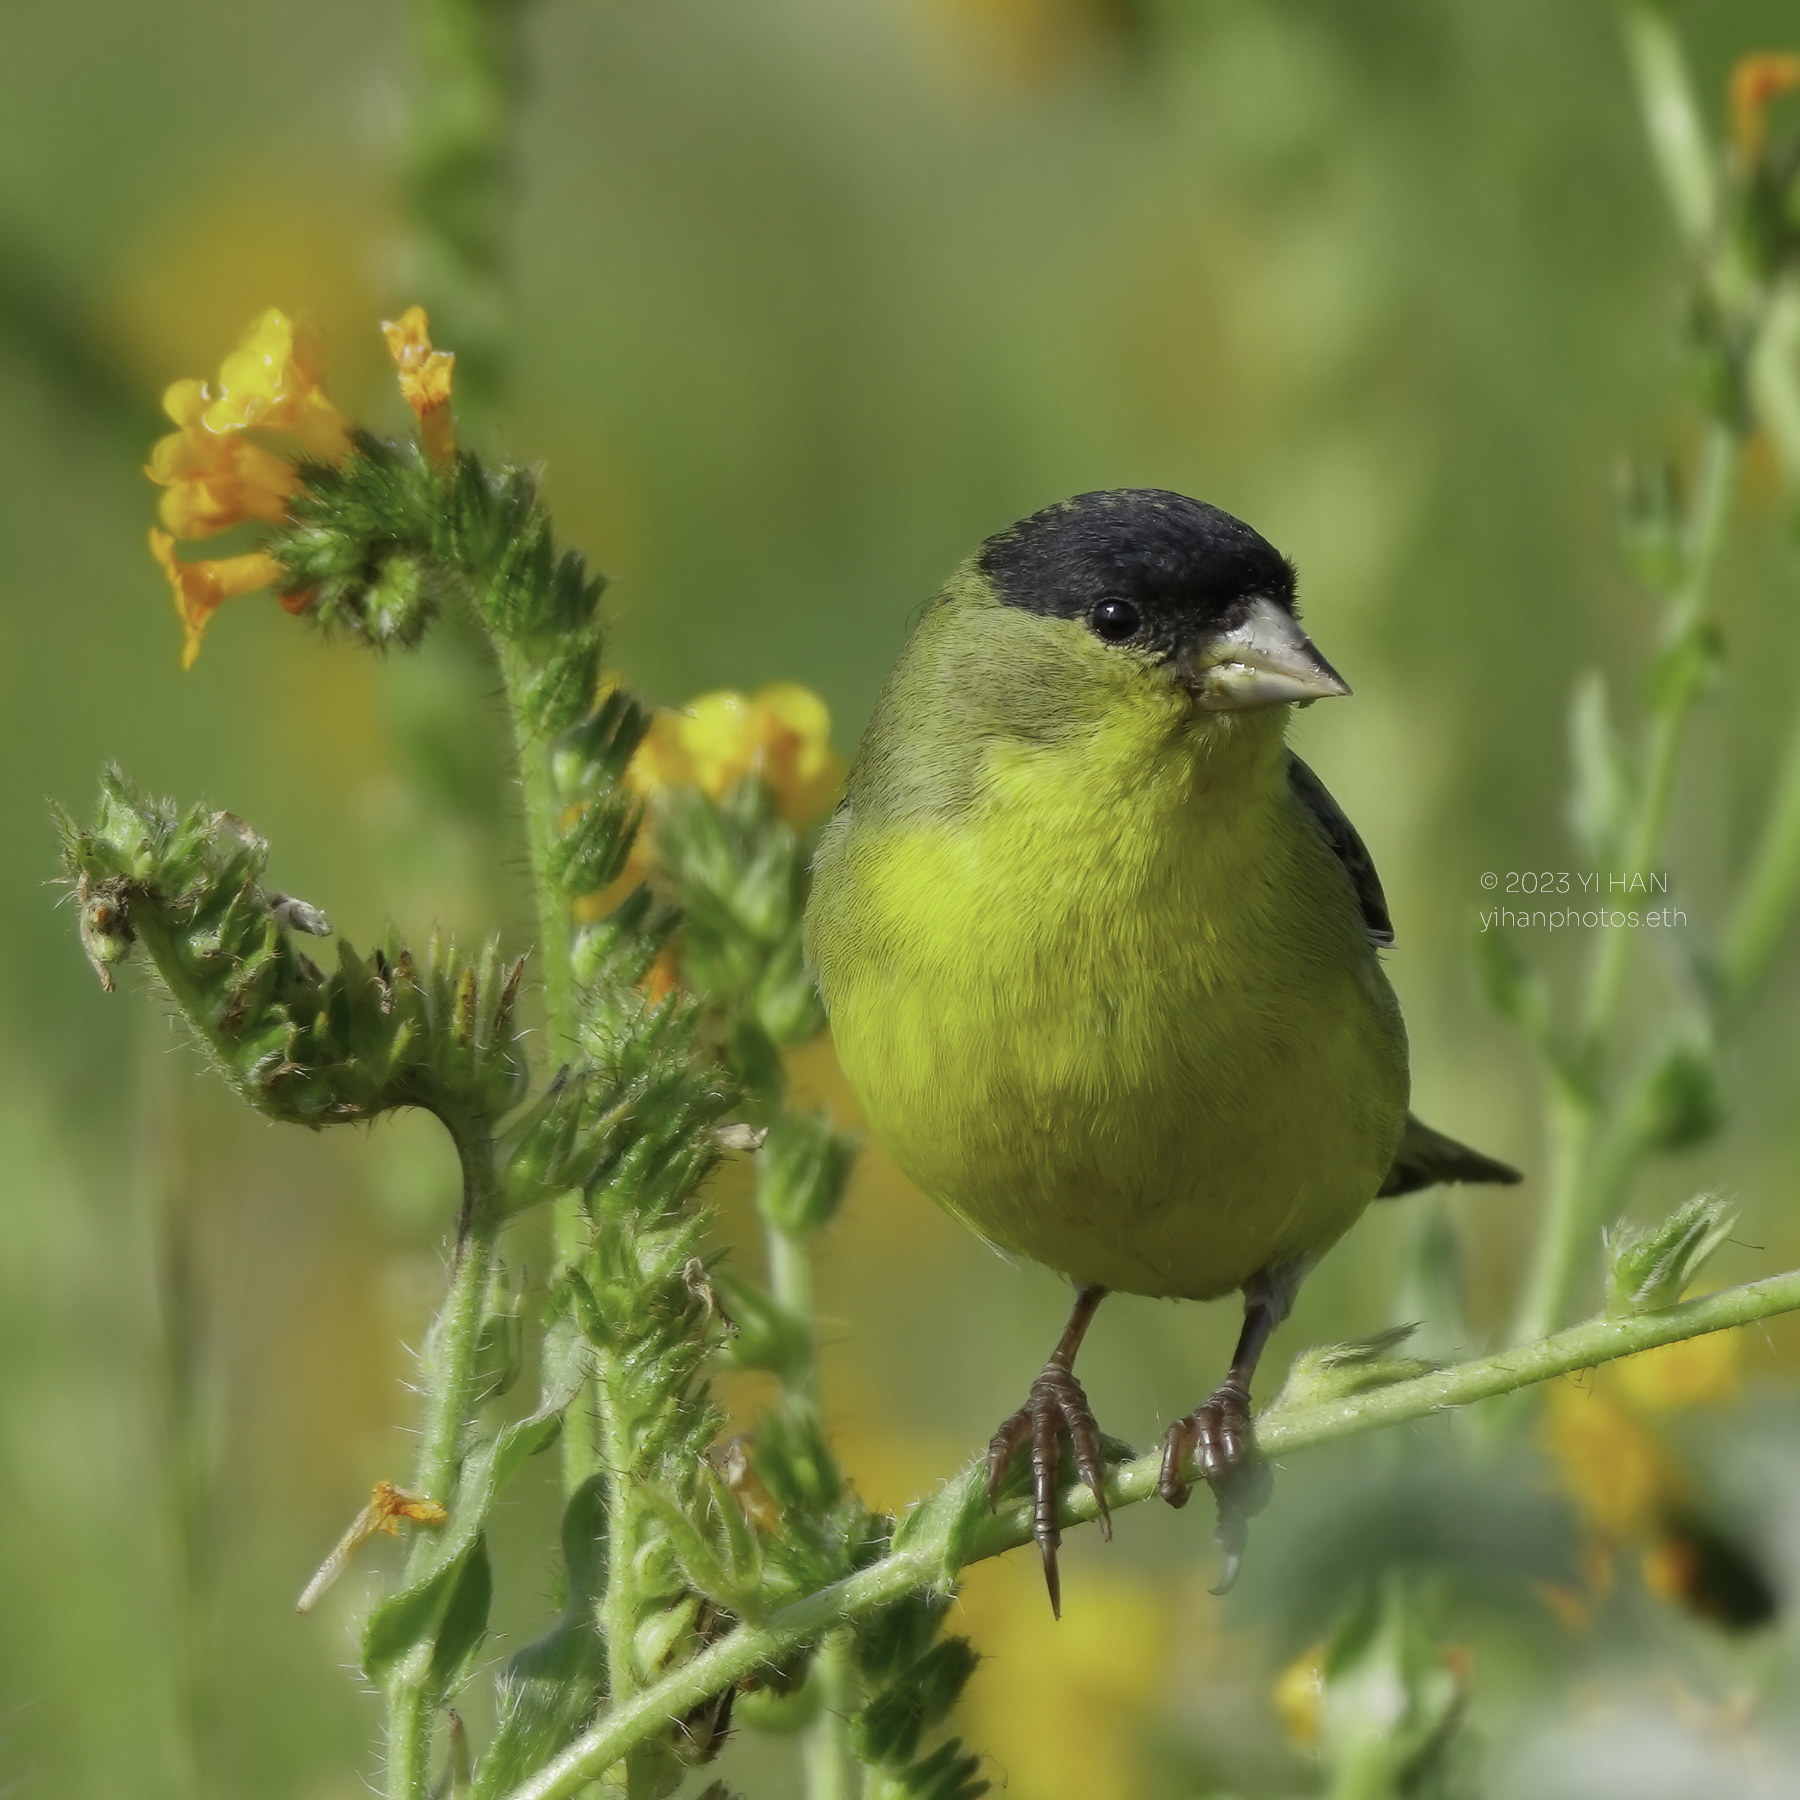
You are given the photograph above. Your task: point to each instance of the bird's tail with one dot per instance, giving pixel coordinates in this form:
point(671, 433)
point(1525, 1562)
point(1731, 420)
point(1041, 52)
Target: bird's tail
point(1427, 1157)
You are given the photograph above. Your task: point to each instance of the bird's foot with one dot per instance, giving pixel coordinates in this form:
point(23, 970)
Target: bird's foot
point(1056, 1405)
point(1218, 1434)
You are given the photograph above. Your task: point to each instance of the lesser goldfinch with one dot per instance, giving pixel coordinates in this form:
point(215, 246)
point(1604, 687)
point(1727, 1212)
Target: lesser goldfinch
point(1100, 952)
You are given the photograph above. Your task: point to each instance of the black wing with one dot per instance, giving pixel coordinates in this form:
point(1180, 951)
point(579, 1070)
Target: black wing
point(1349, 849)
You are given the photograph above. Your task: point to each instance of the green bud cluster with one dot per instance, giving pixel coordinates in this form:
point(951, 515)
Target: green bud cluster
point(801, 1173)
point(739, 870)
point(914, 1678)
point(1650, 1267)
point(298, 1042)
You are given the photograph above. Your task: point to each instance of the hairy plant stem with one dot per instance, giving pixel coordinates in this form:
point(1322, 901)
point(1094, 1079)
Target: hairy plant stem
point(452, 1396)
point(556, 938)
point(1592, 1160)
point(928, 1533)
point(825, 1749)
point(618, 1457)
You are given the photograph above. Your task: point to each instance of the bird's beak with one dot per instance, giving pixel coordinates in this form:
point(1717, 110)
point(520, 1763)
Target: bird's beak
point(1265, 661)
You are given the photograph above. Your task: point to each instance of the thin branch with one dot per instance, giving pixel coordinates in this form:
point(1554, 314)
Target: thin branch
point(927, 1533)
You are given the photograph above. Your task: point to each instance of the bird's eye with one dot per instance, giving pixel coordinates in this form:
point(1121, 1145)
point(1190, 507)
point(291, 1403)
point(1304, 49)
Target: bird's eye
point(1115, 620)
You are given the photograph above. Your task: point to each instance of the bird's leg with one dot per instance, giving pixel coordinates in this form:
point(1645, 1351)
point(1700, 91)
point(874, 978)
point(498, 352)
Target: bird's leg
point(1220, 1431)
point(1055, 1404)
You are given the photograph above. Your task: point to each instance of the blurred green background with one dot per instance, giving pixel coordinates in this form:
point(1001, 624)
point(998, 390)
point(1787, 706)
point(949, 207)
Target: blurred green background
point(806, 299)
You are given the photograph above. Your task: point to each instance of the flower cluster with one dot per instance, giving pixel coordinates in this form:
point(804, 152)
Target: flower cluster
point(216, 476)
point(218, 469)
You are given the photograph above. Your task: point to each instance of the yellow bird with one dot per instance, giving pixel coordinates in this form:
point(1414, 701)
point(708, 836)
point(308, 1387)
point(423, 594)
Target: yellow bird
point(1100, 952)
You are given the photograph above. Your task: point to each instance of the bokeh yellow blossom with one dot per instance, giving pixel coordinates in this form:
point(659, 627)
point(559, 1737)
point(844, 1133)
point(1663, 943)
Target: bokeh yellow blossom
point(1630, 1490)
point(1755, 81)
point(1612, 1466)
point(201, 588)
point(781, 733)
point(1299, 1695)
point(424, 381)
point(1063, 1714)
point(1697, 1371)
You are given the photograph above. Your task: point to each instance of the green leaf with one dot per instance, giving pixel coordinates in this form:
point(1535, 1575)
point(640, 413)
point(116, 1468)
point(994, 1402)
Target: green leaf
point(561, 693)
point(1684, 1095)
point(1511, 986)
point(463, 1628)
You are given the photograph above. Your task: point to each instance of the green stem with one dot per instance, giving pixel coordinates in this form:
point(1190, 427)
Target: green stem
point(825, 1749)
point(556, 940)
point(922, 1563)
point(619, 1604)
point(1650, 816)
point(790, 1286)
point(1369, 1772)
point(452, 1395)
point(1578, 1202)
point(1563, 1234)
point(1765, 908)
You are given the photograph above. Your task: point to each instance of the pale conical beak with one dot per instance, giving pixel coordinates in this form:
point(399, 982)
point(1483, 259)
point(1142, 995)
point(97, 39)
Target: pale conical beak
point(1266, 661)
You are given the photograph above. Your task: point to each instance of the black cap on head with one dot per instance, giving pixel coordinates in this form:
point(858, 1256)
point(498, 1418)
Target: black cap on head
point(1181, 559)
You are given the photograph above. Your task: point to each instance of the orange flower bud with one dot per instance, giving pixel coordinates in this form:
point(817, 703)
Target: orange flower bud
point(424, 381)
point(1755, 81)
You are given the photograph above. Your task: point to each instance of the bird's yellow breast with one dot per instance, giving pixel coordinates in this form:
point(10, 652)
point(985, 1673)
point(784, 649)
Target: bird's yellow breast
point(1117, 1010)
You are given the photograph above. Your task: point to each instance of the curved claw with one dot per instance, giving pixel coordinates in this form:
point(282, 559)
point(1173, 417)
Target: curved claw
point(1055, 1405)
point(1219, 1435)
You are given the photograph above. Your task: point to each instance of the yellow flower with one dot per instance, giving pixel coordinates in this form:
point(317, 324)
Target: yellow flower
point(217, 476)
point(1755, 81)
point(215, 479)
point(424, 381)
point(201, 588)
point(274, 381)
point(781, 733)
